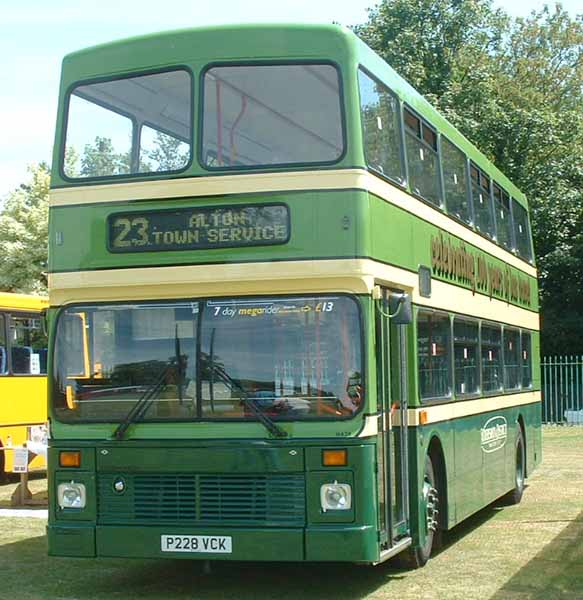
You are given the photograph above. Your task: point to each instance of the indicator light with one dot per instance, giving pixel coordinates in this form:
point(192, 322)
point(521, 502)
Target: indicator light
point(335, 458)
point(70, 459)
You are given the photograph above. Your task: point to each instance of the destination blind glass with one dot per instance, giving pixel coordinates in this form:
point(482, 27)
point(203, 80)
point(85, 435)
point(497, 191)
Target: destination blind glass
point(294, 358)
point(204, 227)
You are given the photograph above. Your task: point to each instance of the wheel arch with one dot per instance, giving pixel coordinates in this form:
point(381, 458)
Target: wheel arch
point(436, 453)
point(520, 423)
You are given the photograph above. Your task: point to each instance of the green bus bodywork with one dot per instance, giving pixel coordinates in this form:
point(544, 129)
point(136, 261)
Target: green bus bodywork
point(205, 458)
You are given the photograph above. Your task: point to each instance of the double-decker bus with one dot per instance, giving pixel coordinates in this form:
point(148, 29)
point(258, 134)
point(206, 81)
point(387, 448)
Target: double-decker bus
point(293, 311)
point(23, 379)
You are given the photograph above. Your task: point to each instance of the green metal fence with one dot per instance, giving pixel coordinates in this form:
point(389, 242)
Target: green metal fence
point(562, 390)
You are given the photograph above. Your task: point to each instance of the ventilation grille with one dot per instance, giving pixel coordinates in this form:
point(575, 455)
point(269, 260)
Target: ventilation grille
point(268, 500)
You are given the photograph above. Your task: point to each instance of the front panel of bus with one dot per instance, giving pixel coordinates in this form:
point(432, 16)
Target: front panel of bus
point(207, 396)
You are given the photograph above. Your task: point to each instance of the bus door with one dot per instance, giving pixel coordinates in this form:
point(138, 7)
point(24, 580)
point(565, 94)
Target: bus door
point(392, 316)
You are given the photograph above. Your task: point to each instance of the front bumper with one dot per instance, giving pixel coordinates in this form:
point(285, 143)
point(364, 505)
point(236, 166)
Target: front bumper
point(338, 543)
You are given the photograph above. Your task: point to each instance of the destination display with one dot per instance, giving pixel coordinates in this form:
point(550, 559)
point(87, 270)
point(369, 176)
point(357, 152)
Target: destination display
point(199, 228)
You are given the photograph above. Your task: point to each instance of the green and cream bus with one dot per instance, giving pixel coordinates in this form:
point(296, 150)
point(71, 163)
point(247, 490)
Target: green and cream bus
point(293, 312)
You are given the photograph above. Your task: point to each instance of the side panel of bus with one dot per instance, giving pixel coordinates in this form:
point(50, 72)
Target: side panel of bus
point(23, 404)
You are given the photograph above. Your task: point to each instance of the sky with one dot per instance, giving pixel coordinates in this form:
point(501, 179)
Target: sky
point(36, 34)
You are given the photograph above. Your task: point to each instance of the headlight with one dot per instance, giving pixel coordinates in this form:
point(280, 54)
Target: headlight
point(71, 495)
point(336, 496)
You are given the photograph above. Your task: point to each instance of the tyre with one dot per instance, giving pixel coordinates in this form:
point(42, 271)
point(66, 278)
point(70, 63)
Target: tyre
point(415, 557)
point(515, 496)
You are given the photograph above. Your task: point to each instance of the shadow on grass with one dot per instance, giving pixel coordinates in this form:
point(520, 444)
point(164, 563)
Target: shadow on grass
point(94, 579)
point(467, 526)
point(97, 579)
point(555, 572)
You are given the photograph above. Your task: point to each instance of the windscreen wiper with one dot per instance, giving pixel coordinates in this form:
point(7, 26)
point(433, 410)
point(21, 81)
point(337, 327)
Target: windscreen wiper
point(264, 419)
point(142, 405)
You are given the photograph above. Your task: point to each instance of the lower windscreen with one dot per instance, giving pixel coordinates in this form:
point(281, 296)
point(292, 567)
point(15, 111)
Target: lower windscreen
point(292, 357)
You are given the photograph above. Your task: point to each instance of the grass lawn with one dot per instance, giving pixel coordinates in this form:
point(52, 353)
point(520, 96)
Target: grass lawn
point(530, 551)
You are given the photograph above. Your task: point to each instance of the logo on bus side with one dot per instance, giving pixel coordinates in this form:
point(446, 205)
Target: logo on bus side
point(493, 434)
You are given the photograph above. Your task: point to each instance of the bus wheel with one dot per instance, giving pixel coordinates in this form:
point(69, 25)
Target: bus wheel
point(417, 556)
point(515, 496)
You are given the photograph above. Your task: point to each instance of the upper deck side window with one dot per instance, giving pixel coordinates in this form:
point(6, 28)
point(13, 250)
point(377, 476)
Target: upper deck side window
point(455, 181)
point(379, 113)
point(271, 114)
point(503, 217)
point(482, 202)
point(130, 125)
point(522, 231)
point(422, 158)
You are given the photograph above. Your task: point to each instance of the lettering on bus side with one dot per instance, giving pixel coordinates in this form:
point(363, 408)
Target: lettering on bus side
point(493, 434)
point(454, 261)
point(200, 228)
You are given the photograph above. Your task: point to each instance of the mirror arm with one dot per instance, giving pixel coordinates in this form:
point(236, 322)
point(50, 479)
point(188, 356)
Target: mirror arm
point(401, 300)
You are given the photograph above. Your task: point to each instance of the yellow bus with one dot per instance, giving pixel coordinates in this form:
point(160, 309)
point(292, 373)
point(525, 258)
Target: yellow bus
point(23, 379)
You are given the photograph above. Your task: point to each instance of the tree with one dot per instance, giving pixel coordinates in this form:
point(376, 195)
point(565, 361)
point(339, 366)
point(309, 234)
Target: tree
point(100, 159)
point(24, 235)
point(168, 153)
point(515, 89)
point(422, 39)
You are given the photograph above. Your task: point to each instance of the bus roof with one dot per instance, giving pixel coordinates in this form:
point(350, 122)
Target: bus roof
point(260, 42)
point(22, 302)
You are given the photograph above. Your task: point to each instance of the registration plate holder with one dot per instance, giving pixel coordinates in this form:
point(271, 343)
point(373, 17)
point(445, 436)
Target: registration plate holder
point(207, 544)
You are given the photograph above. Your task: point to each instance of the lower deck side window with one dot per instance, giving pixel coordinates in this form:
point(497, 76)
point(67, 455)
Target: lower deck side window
point(470, 357)
point(466, 362)
point(512, 366)
point(433, 354)
point(526, 361)
point(491, 349)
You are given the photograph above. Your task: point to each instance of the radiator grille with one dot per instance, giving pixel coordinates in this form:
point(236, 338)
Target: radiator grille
point(269, 500)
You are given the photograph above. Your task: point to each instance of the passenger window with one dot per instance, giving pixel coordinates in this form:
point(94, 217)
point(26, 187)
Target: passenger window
point(466, 361)
point(3, 348)
point(107, 120)
point(422, 160)
point(28, 346)
point(503, 217)
point(526, 348)
point(512, 365)
point(160, 151)
point(379, 111)
point(455, 181)
point(482, 202)
point(266, 115)
point(522, 231)
point(433, 355)
point(491, 350)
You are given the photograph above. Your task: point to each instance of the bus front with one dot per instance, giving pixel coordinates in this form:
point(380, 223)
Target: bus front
point(210, 395)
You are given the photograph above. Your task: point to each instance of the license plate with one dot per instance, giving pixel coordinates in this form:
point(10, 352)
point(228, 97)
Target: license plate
point(213, 544)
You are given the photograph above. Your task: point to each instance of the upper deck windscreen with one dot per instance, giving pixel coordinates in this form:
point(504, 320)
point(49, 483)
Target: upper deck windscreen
point(263, 115)
point(139, 124)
